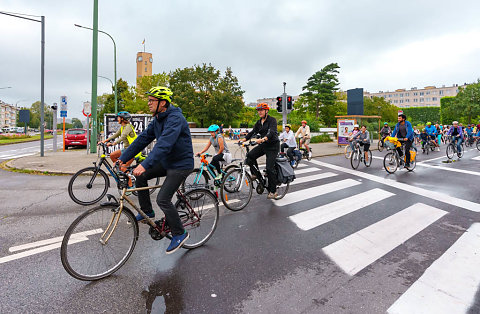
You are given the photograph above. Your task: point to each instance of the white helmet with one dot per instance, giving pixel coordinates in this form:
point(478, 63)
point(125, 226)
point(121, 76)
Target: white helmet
point(455, 122)
point(355, 126)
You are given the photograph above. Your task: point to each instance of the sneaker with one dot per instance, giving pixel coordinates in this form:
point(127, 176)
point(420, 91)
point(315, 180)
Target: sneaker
point(272, 196)
point(177, 242)
point(140, 217)
point(292, 163)
point(407, 165)
point(219, 177)
point(310, 154)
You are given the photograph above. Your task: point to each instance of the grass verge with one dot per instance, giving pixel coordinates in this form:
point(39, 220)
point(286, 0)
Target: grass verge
point(5, 167)
point(6, 140)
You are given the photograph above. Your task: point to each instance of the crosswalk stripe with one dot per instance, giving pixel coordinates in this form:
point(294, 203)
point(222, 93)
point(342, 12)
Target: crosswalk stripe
point(320, 215)
point(441, 197)
point(311, 169)
point(450, 284)
point(301, 195)
point(476, 158)
point(358, 250)
point(314, 177)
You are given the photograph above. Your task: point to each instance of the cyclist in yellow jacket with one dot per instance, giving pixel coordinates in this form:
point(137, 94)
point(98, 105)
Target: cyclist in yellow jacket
point(125, 134)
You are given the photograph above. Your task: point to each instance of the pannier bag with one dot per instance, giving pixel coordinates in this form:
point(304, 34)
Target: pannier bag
point(285, 173)
point(297, 154)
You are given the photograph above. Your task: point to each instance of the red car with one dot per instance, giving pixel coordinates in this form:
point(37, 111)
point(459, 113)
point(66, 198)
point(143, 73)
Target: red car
point(76, 137)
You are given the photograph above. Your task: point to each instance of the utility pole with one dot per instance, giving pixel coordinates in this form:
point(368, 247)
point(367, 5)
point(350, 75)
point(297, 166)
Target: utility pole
point(284, 106)
point(93, 139)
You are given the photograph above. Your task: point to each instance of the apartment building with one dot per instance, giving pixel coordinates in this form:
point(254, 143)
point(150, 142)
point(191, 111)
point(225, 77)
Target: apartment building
point(8, 115)
point(429, 96)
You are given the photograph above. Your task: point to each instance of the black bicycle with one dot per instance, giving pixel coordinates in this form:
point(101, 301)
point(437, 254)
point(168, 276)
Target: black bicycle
point(452, 149)
point(358, 155)
point(89, 185)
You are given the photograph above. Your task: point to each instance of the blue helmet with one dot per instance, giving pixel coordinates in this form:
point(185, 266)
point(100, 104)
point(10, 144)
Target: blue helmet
point(213, 128)
point(124, 114)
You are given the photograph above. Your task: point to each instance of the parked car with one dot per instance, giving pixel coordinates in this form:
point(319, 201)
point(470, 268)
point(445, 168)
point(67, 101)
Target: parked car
point(75, 137)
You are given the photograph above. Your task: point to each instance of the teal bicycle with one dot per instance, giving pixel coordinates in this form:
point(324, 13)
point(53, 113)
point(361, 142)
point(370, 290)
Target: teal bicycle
point(204, 175)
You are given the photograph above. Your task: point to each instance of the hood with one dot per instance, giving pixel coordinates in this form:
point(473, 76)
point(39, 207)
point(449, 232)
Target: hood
point(171, 109)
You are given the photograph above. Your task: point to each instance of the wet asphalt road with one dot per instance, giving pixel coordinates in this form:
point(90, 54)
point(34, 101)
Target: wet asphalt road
point(258, 260)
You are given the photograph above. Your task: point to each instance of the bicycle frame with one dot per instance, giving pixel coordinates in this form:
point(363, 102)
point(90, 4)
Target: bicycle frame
point(209, 169)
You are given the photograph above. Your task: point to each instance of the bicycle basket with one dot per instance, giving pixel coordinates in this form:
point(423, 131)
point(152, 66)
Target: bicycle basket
point(389, 145)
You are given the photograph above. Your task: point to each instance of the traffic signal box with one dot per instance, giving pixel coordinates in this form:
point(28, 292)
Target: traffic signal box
point(279, 104)
point(289, 103)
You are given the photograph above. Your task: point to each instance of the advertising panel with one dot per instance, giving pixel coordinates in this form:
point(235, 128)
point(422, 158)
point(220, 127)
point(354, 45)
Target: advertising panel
point(344, 127)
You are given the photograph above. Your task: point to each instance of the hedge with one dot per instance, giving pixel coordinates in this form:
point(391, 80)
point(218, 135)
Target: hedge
point(422, 114)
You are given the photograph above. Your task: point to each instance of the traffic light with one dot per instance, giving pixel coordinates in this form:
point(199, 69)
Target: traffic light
point(279, 104)
point(289, 102)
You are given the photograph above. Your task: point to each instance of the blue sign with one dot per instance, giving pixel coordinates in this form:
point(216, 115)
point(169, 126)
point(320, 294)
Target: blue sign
point(63, 114)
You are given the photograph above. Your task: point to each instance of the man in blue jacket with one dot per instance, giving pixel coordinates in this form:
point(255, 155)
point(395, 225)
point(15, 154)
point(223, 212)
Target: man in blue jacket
point(404, 132)
point(171, 157)
point(432, 133)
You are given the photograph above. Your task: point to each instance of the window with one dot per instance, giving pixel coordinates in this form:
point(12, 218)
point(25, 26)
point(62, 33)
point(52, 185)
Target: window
point(401, 101)
point(440, 92)
point(415, 100)
point(434, 98)
point(145, 62)
point(428, 93)
point(422, 93)
point(421, 100)
point(145, 69)
point(390, 96)
point(401, 95)
point(407, 94)
point(415, 94)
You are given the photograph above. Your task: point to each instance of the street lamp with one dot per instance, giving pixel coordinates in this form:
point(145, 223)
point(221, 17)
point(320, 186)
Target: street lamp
point(42, 71)
point(5, 87)
point(114, 60)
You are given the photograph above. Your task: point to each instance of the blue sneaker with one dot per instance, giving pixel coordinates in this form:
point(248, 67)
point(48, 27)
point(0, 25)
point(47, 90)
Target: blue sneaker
point(140, 217)
point(177, 242)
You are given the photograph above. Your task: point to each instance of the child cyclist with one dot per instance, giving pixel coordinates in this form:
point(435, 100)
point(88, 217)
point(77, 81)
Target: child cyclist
point(221, 149)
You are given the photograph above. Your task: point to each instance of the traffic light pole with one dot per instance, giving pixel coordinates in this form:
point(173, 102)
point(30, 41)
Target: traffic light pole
point(284, 106)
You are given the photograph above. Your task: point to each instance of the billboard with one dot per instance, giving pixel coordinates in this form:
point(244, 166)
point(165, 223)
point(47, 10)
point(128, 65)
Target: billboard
point(344, 127)
point(355, 101)
point(139, 123)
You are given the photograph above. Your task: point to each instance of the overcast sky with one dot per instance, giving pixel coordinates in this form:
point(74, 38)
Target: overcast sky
point(378, 44)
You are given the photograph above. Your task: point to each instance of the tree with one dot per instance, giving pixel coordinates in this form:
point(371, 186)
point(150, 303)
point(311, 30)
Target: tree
point(76, 123)
point(379, 106)
point(106, 102)
point(205, 96)
point(35, 116)
point(448, 113)
point(467, 103)
point(320, 93)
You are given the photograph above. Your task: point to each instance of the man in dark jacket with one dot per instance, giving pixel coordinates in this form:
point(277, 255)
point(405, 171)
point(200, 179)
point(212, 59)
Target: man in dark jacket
point(269, 145)
point(171, 157)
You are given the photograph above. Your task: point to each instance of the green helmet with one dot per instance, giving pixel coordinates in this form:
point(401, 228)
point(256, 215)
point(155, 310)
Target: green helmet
point(429, 123)
point(160, 92)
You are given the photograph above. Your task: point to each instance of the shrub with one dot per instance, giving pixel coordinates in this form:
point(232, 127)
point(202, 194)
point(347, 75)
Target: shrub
point(323, 138)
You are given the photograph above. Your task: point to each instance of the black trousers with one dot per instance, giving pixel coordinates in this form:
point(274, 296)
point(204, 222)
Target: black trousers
point(271, 152)
point(289, 150)
point(174, 177)
point(216, 161)
point(408, 145)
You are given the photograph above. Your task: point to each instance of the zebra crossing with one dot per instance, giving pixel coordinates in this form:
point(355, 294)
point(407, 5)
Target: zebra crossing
point(23, 152)
point(448, 285)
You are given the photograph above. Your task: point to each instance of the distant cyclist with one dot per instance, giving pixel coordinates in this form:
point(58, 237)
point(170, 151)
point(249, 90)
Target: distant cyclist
point(171, 157)
point(356, 129)
point(304, 130)
point(469, 133)
point(266, 127)
point(404, 132)
point(385, 131)
point(221, 149)
point(432, 133)
point(125, 134)
point(457, 135)
point(363, 138)
point(287, 138)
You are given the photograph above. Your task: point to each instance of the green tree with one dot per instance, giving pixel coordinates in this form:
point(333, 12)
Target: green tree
point(378, 106)
point(35, 116)
point(106, 102)
point(467, 103)
point(76, 123)
point(448, 113)
point(205, 96)
point(320, 94)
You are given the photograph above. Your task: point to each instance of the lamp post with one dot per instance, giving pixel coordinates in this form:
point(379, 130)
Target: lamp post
point(5, 87)
point(42, 72)
point(114, 61)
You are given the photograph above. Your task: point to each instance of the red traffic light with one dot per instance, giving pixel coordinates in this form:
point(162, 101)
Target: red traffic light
point(289, 98)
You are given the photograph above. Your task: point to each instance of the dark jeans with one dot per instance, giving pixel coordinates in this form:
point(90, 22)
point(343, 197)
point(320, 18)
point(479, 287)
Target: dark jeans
point(366, 146)
point(271, 151)
point(408, 145)
point(289, 150)
point(216, 162)
point(174, 177)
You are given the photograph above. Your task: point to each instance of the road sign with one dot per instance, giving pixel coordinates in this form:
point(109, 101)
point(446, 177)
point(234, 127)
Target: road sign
point(63, 103)
point(85, 114)
point(87, 108)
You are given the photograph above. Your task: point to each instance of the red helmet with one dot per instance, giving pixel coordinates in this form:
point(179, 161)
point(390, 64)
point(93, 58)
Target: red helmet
point(304, 121)
point(263, 105)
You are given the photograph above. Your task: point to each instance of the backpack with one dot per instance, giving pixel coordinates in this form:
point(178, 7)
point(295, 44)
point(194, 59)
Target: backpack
point(285, 173)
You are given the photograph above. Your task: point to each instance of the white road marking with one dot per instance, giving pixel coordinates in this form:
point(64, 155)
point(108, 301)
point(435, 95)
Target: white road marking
point(320, 215)
point(311, 169)
point(313, 178)
point(358, 250)
point(449, 285)
point(75, 238)
point(476, 158)
point(473, 173)
point(441, 197)
point(301, 195)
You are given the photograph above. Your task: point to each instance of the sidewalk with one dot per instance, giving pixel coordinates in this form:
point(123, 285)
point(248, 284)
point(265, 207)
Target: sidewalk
point(69, 162)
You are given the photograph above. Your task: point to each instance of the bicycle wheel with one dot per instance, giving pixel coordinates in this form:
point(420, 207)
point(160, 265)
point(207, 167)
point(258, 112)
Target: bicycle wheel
point(194, 180)
point(478, 144)
point(150, 183)
point(348, 151)
point(88, 186)
point(390, 162)
point(237, 192)
point(199, 217)
point(85, 255)
point(450, 151)
point(282, 190)
point(355, 159)
point(239, 153)
point(380, 146)
point(460, 154)
point(369, 162)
